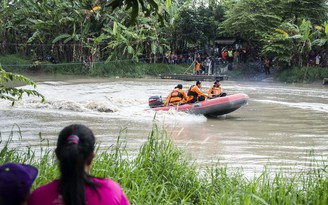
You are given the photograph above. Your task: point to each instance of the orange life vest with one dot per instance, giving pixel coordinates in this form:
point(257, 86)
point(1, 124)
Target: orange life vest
point(191, 92)
point(176, 97)
point(216, 91)
point(197, 67)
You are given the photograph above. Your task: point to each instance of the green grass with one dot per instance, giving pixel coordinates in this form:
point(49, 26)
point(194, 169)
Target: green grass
point(162, 174)
point(302, 74)
point(128, 68)
point(13, 60)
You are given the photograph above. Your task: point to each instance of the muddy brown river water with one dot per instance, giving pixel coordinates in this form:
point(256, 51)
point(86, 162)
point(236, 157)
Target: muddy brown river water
point(283, 126)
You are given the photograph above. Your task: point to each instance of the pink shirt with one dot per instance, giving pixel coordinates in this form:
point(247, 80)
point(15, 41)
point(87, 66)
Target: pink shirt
point(109, 191)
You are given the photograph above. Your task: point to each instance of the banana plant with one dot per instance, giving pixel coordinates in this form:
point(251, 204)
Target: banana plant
point(145, 37)
point(323, 35)
point(122, 42)
point(291, 43)
point(136, 7)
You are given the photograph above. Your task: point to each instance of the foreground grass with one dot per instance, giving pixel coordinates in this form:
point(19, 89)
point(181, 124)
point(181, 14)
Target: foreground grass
point(161, 174)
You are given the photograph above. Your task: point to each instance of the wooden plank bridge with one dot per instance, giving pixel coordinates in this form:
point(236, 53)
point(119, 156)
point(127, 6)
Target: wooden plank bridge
point(190, 77)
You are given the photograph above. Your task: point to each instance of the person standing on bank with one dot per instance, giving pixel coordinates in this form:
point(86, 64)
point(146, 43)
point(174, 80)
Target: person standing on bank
point(267, 66)
point(177, 96)
point(75, 152)
point(207, 63)
point(195, 94)
point(197, 67)
point(216, 90)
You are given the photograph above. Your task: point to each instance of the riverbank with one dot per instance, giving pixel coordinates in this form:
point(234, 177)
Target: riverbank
point(129, 69)
point(290, 75)
point(160, 173)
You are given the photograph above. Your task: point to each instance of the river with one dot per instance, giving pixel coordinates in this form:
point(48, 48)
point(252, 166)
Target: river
point(283, 126)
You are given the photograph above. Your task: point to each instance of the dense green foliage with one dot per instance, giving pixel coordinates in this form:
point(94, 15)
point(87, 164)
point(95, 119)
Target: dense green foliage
point(285, 30)
point(71, 30)
point(160, 173)
point(80, 30)
point(292, 45)
point(89, 33)
point(252, 19)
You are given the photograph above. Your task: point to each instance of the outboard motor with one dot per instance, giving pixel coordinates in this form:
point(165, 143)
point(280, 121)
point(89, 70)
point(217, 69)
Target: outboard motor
point(155, 101)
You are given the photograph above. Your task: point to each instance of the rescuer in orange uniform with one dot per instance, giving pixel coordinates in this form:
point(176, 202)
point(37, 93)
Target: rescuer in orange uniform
point(177, 96)
point(195, 94)
point(197, 67)
point(216, 90)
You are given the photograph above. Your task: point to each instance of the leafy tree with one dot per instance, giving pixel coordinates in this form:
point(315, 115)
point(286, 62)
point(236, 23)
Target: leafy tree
point(187, 29)
point(250, 19)
point(74, 29)
point(147, 7)
point(195, 26)
point(210, 17)
point(253, 19)
point(297, 10)
point(14, 94)
point(280, 46)
point(291, 44)
point(322, 39)
point(123, 41)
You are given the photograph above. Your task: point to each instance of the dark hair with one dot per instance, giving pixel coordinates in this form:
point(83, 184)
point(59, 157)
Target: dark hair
point(179, 86)
point(75, 147)
point(198, 82)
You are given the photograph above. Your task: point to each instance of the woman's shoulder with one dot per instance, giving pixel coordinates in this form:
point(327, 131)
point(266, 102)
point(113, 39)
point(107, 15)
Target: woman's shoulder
point(106, 182)
point(44, 194)
point(49, 186)
point(109, 190)
point(108, 185)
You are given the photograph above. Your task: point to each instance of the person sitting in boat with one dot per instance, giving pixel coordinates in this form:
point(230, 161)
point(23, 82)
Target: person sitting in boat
point(177, 96)
point(195, 94)
point(216, 90)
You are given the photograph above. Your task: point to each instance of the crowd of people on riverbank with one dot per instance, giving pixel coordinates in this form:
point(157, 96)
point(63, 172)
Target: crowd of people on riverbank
point(207, 62)
point(212, 61)
point(317, 58)
point(230, 53)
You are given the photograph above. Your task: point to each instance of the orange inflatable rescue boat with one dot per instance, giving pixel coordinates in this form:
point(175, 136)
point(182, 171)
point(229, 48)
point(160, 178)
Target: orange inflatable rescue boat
point(209, 107)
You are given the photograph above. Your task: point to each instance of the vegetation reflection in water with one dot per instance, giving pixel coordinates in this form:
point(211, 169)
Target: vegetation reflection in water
point(162, 174)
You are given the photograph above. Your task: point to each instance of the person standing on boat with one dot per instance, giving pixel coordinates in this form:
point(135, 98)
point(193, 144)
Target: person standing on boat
point(177, 96)
point(195, 94)
point(216, 90)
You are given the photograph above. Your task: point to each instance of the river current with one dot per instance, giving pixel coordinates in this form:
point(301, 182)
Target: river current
point(283, 126)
